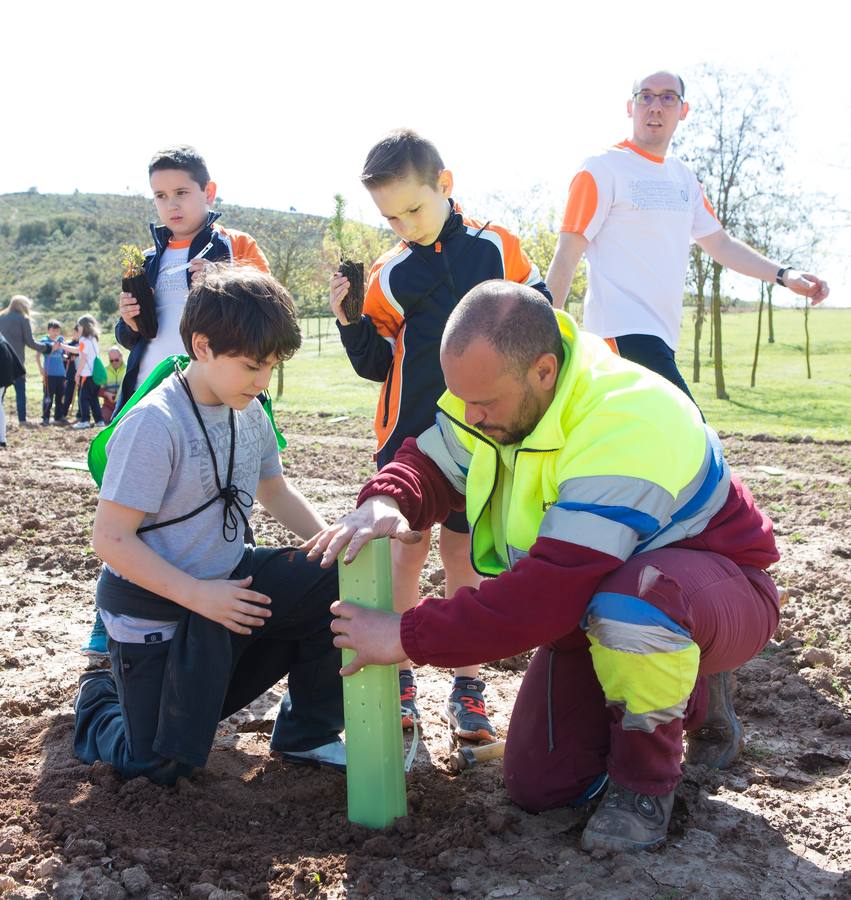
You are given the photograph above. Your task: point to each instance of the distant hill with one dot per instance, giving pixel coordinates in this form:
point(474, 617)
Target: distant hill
point(61, 250)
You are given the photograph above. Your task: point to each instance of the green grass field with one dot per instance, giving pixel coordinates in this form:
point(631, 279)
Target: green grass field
point(783, 402)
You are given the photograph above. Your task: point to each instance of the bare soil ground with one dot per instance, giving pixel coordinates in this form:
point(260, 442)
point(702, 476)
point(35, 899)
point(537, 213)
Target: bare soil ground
point(775, 825)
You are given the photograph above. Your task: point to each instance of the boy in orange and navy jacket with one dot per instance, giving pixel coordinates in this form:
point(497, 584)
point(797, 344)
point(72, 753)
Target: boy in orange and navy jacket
point(188, 238)
point(411, 291)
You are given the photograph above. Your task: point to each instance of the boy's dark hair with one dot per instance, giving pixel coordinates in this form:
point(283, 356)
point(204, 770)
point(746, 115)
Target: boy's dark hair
point(399, 154)
point(54, 324)
point(514, 319)
point(183, 157)
point(243, 312)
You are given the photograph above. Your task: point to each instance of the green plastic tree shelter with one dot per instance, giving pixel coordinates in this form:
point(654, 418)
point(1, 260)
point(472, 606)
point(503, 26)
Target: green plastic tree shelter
point(374, 748)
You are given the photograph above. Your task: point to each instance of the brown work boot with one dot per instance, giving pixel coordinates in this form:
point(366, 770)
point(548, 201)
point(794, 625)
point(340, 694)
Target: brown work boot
point(625, 822)
point(719, 740)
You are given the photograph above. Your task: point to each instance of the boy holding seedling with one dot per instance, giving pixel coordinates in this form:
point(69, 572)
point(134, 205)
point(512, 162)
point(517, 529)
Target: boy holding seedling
point(410, 293)
point(201, 623)
point(188, 239)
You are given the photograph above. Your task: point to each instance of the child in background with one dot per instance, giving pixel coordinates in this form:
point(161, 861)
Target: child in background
point(87, 351)
point(70, 358)
point(115, 372)
point(187, 240)
point(53, 373)
point(411, 291)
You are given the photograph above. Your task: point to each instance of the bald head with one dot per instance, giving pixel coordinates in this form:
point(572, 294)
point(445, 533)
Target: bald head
point(514, 319)
point(663, 73)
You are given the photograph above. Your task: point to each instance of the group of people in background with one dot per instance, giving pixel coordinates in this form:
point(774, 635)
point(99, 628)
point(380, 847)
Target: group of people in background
point(67, 368)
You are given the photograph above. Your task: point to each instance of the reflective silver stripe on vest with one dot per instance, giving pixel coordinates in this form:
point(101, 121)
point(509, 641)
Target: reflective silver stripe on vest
point(441, 445)
point(649, 721)
point(515, 555)
point(619, 490)
point(630, 638)
point(589, 530)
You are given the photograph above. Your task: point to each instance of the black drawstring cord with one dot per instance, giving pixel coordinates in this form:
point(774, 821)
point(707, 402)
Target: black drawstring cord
point(235, 499)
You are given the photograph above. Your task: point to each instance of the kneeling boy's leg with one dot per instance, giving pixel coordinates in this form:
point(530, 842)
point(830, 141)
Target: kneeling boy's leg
point(296, 640)
point(656, 624)
point(117, 714)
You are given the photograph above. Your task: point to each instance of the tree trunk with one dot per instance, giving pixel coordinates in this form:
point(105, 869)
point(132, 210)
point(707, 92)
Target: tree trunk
point(770, 315)
point(699, 316)
point(279, 391)
point(807, 334)
point(758, 333)
point(720, 389)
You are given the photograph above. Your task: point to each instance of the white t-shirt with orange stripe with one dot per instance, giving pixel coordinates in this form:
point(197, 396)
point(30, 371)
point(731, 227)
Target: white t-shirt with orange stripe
point(639, 212)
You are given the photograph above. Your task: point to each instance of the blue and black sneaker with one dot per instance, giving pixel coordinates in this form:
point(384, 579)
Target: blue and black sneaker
point(408, 698)
point(465, 711)
point(98, 643)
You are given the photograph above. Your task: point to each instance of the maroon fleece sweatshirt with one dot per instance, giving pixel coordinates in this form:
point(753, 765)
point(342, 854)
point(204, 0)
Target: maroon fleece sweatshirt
point(544, 596)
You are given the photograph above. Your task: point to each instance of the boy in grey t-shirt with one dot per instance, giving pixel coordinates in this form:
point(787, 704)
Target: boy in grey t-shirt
point(201, 623)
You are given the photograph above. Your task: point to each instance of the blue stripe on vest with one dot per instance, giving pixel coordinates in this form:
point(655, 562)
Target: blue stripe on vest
point(643, 524)
point(632, 610)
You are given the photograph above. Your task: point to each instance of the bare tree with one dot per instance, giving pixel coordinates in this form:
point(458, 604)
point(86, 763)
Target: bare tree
point(532, 218)
point(733, 141)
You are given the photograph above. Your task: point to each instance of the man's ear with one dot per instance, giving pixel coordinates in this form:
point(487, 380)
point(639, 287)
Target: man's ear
point(210, 192)
point(545, 371)
point(445, 182)
point(201, 347)
point(629, 108)
point(684, 110)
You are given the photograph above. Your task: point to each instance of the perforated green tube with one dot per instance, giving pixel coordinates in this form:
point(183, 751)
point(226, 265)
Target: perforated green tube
point(374, 769)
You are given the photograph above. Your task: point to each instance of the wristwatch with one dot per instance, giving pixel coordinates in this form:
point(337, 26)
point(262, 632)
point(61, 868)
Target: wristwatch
point(780, 273)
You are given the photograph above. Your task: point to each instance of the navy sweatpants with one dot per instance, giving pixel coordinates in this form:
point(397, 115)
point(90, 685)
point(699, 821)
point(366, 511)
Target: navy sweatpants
point(117, 713)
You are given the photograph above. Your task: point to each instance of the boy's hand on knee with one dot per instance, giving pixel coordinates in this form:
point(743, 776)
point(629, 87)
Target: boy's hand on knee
point(231, 604)
point(378, 517)
point(128, 308)
point(336, 294)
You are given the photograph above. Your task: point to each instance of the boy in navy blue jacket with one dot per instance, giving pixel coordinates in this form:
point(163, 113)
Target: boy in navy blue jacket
point(411, 291)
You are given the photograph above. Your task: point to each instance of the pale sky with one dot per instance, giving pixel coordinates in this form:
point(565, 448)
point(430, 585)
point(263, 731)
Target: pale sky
point(285, 99)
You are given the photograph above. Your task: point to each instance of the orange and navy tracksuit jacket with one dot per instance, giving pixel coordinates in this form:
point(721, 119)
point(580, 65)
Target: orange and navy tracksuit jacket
point(228, 245)
point(410, 293)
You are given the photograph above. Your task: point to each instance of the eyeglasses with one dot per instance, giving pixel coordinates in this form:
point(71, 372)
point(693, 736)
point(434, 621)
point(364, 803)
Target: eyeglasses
point(666, 98)
point(115, 359)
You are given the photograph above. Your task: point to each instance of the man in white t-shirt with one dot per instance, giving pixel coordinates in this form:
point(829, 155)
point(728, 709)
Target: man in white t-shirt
point(633, 212)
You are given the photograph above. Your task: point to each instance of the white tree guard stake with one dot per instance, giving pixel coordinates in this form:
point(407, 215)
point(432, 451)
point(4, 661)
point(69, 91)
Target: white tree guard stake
point(374, 746)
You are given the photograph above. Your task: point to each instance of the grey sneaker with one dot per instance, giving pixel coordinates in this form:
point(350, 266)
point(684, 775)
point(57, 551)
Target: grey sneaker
point(331, 756)
point(465, 711)
point(625, 822)
point(719, 740)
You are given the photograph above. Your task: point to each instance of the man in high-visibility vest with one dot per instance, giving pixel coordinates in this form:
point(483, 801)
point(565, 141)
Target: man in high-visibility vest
point(622, 547)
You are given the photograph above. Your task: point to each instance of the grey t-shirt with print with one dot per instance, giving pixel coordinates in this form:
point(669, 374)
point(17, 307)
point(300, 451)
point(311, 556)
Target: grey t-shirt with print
point(158, 461)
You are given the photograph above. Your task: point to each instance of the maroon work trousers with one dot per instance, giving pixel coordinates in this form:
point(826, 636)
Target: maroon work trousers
point(562, 735)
